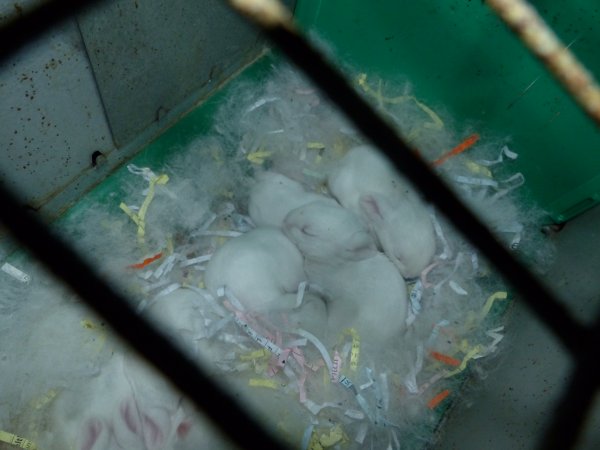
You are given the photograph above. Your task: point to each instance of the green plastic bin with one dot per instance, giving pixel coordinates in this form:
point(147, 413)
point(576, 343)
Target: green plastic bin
point(462, 59)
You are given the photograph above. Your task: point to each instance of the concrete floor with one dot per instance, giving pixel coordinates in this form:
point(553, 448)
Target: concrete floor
point(509, 409)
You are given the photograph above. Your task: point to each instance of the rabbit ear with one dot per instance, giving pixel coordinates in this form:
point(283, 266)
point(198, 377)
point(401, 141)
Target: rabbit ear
point(135, 426)
point(157, 425)
point(94, 436)
point(374, 206)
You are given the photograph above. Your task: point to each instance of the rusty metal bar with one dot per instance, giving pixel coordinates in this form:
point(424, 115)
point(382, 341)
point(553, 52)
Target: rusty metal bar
point(541, 40)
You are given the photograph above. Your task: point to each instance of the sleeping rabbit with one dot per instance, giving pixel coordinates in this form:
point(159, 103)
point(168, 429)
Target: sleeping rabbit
point(273, 196)
point(126, 406)
point(362, 288)
point(262, 268)
point(366, 183)
point(186, 315)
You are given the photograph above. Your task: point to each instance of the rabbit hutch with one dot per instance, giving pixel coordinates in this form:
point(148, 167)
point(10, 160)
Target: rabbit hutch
point(303, 224)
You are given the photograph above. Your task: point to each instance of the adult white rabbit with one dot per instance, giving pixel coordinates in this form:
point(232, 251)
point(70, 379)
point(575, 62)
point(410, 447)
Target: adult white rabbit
point(273, 196)
point(362, 288)
point(365, 182)
point(262, 268)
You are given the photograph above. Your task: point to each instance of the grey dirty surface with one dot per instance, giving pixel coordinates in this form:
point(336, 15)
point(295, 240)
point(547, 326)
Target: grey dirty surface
point(512, 405)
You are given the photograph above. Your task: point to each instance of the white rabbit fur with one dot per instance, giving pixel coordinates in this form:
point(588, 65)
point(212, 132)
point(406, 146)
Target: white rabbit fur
point(183, 315)
point(262, 268)
point(273, 196)
point(366, 183)
point(127, 406)
point(325, 231)
point(362, 288)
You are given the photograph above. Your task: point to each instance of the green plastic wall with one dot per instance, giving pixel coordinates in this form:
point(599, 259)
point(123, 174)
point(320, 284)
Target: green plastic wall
point(460, 57)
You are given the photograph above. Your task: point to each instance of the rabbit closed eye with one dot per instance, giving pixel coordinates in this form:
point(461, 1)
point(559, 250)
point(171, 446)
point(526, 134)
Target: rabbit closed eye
point(325, 231)
point(367, 184)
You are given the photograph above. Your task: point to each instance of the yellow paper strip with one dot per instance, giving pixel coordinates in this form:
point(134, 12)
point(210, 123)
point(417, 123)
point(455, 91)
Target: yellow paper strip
point(500, 295)
point(263, 382)
point(15, 440)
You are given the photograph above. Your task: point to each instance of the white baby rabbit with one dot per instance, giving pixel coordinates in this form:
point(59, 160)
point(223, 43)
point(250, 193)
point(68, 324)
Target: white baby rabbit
point(362, 288)
point(273, 196)
point(126, 406)
point(326, 232)
point(262, 268)
point(365, 182)
point(185, 315)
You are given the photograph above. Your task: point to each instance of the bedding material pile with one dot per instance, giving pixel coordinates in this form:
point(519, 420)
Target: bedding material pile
point(285, 254)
